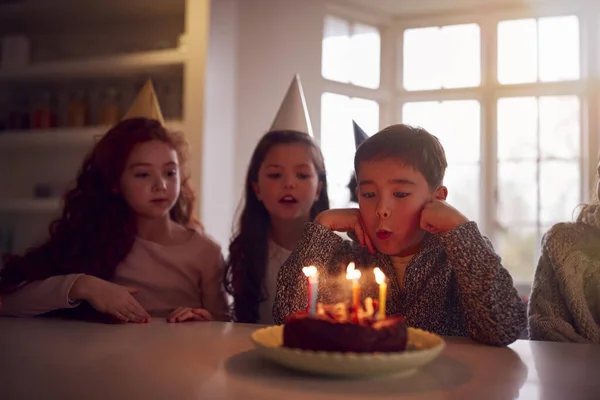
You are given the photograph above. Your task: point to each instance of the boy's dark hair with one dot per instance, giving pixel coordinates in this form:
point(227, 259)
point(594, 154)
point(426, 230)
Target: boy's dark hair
point(412, 145)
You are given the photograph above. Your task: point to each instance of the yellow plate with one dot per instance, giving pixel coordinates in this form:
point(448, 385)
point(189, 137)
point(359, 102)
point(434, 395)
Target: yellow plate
point(423, 347)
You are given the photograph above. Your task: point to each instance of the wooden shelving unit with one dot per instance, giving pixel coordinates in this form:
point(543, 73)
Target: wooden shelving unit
point(59, 137)
point(100, 67)
point(51, 156)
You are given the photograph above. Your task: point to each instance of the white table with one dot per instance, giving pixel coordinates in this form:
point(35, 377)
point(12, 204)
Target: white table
point(53, 359)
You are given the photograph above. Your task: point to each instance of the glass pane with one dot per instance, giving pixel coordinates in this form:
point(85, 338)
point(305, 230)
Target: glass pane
point(517, 128)
point(337, 144)
point(422, 59)
point(337, 139)
point(366, 56)
point(517, 51)
point(460, 131)
point(559, 191)
point(559, 48)
point(462, 182)
point(517, 193)
point(336, 46)
point(426, 114)
point(366, 114)
point(455, 123)
point(461, 65)
point(559, 127)
point(517, 245)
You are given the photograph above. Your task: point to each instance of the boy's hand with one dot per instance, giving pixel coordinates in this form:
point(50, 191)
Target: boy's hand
point(345, 220)
point(439, 217)
point(182, 314)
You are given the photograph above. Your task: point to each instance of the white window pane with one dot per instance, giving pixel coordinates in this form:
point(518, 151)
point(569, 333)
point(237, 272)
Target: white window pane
point(559, 191)
point(517, 51)
point(462, 182)
point(422, 59)
point(461, 65)
point(365, 53)
point(559, 48)
point(559, 127)
point(517, 245)
point(460, 131)
point(517, 128)
point(337, 139)
point(366, 114)
point(336, 46)
point(426, 114)
point(517, 193)
point(455, 123)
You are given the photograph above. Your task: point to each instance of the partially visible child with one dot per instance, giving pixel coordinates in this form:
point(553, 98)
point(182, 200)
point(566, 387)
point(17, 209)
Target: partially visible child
point(565, 300)
point(285, 188)
point(127, 245)
point(444, 276)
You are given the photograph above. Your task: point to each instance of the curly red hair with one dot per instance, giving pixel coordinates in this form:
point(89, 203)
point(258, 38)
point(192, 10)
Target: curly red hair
point(97, 228)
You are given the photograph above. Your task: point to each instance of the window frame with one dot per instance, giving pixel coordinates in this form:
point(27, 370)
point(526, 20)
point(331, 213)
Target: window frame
point(391, 94)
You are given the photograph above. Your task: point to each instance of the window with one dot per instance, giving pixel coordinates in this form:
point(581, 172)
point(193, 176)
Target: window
point(457, 125)
point(351, 57)
point(539, 173)
point(535, 150)
point(513, 121)
point(545, 50)
point(337, 143)
point(446, 57)
point(351, 53)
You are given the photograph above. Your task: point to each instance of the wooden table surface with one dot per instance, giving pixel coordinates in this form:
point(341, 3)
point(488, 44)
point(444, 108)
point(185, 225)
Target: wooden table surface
point(54, 359)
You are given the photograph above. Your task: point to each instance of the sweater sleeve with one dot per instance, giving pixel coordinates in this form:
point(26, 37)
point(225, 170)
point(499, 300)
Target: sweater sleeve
point(318, 246)
point(39, 297)
point(493, 311)
point(548, 313)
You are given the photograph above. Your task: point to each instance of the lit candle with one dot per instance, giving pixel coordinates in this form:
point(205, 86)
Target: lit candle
point(313, 288)
point(380, 279)
point(354, 274)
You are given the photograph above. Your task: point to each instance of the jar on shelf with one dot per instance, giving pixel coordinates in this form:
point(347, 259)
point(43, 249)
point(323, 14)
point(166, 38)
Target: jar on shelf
point(109, 108)
point(44, 113)
point(77, 110)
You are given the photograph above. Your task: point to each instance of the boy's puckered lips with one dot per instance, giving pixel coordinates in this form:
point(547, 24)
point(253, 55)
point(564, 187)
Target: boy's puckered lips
point(383, 234)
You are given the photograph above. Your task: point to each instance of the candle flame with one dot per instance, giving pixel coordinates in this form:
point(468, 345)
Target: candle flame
point(310, 271)
point(379, 276)
point(352, 272)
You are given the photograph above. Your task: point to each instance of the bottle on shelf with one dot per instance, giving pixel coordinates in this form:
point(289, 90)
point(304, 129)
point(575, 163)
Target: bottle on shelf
point(109, 107)
point(44, 112)
point(77, 110)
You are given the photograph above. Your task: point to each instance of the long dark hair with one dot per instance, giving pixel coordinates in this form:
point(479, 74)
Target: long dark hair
point(248, 251)
point(97, 228)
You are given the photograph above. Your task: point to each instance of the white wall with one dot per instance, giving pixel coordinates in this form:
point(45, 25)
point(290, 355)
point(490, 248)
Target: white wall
point(218, 170)
point(277, 39)
point(255, 48)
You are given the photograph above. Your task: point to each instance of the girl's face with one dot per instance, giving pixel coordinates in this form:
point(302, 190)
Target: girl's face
point(288, 184)
point(150, 182)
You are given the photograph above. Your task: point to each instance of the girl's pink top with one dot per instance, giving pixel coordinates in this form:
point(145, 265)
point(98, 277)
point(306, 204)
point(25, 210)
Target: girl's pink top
point(186, 275)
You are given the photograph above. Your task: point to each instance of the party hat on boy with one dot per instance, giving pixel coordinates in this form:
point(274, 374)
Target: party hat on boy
point(293, 114)
point(359, 135)
point(146, 105)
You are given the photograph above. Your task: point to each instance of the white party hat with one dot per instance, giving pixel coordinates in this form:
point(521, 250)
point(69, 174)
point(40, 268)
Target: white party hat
point(293, 114)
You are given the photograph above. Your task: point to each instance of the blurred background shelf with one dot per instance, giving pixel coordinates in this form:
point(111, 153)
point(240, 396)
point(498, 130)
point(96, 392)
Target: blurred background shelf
point(29, 205)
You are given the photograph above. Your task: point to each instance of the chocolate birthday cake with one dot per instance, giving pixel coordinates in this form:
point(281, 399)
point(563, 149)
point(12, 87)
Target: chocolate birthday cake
point(338, 328)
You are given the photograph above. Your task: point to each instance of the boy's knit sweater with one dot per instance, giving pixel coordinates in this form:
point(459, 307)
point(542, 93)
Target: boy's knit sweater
point(455, 284)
